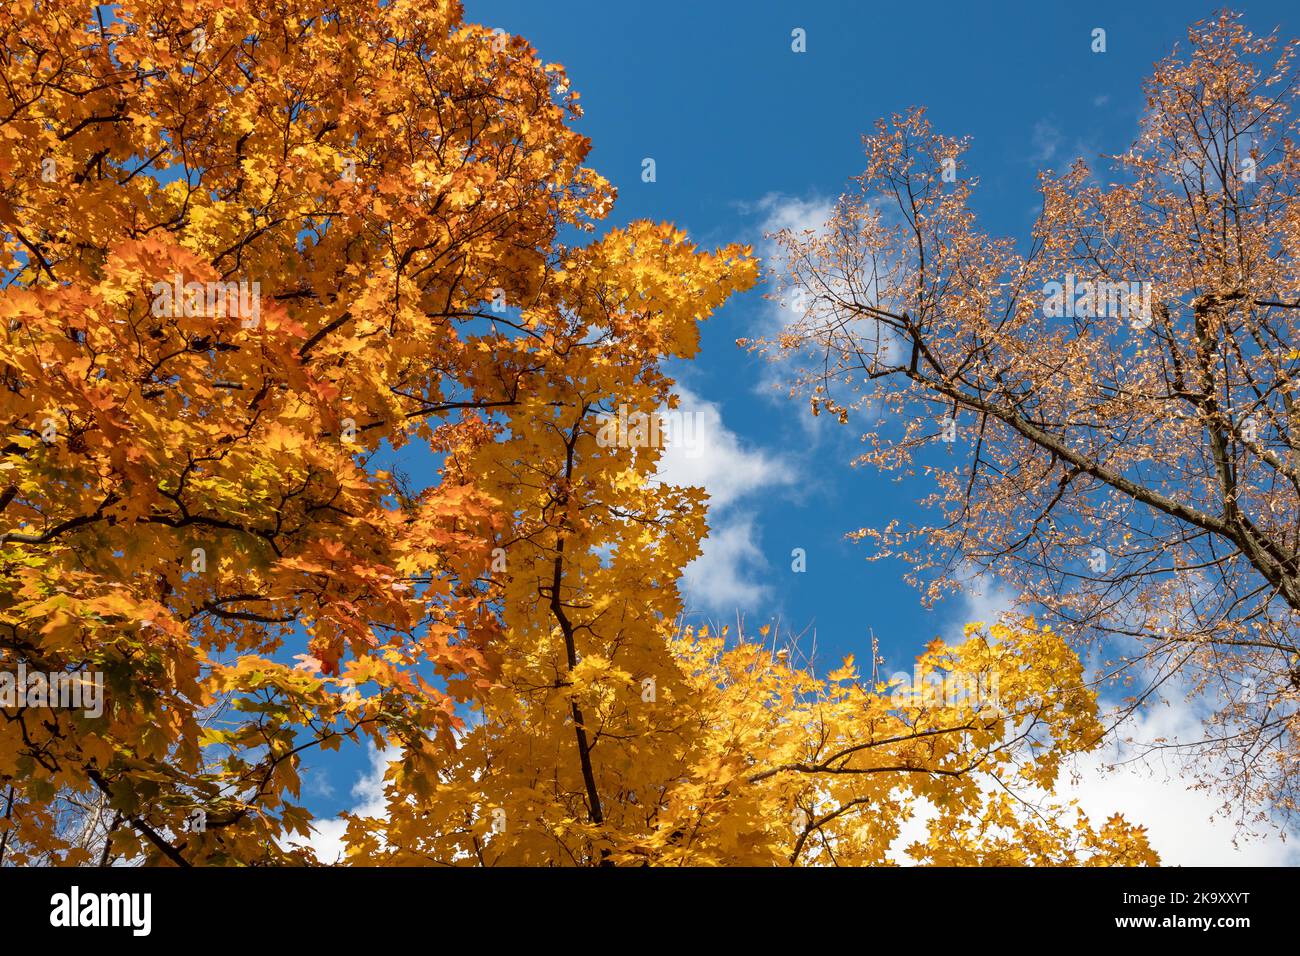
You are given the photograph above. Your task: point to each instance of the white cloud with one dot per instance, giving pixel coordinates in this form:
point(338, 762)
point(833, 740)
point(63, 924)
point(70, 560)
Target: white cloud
point(799, 216)
point(1045, 141)
point(722, 577)
point(326, 840)
point(805, 219)
point(1050, 145)
point(793, 213)
point(1183, 824)
point(702, 452)
point(316, 782)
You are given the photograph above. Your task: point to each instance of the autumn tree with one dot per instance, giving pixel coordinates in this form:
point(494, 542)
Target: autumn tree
point(1107, 410)
point(248, 247)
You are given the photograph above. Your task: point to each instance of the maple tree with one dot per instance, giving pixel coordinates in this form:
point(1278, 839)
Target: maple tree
point(250, 250)
point(1108, 412)
point(382, 173)
point(721, 753)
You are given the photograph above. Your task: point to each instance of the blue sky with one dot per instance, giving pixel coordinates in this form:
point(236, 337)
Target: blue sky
point(748, 135)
